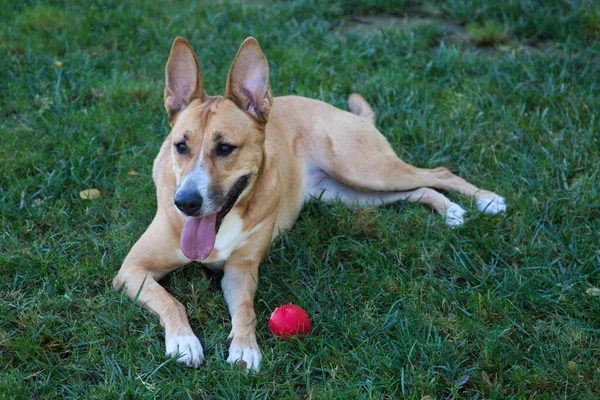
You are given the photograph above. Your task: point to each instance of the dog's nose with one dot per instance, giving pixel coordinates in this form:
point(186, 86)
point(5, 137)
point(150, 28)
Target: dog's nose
point(189, 203)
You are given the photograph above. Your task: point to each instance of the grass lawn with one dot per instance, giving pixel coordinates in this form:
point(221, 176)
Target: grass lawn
point(505, 94)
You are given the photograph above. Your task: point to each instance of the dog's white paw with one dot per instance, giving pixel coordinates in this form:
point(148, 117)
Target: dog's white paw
point(455, 215)
point(491, 205)
point(187, 348)
point(245, 352)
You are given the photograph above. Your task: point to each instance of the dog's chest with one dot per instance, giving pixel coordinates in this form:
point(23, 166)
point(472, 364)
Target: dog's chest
point(230, 236)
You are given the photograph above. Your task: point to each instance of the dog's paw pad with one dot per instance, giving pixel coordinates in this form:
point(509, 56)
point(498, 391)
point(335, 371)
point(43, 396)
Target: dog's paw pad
point(245, 357)
point(187, 349)
point(491, 205)
point(455, 215)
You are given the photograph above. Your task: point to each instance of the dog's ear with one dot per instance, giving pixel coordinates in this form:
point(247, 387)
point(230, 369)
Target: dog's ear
point(248, 81)
point(183, 79)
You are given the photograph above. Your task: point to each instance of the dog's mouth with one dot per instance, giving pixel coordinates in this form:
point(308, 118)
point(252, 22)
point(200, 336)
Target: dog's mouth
point(199, 233)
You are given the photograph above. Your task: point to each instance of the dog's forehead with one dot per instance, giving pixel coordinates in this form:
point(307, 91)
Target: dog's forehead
point(219, 119)
point(231, 122)
point(192, 121)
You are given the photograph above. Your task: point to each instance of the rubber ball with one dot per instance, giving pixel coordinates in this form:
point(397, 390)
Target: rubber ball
point(289, 321)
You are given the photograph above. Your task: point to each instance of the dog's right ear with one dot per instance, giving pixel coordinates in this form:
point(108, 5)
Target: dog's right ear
point(183, 79)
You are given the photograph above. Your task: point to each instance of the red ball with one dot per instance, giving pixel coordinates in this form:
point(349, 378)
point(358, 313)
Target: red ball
point(288, 321)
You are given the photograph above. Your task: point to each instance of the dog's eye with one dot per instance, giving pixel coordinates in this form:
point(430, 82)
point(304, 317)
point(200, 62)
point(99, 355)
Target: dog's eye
point(181, 147)
point(224, 149)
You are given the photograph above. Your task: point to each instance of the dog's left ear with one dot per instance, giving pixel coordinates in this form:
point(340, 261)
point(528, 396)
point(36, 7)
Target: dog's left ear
point(183, 79)
point(248, 81)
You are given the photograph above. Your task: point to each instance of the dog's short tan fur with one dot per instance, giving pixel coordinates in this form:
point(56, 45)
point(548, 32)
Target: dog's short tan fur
point(290, 149)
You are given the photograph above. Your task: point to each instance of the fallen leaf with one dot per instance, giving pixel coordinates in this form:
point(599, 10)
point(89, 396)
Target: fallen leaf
point(486, 378)
point(57, 64)
point(37, 202)
point(132, 173)
point(593, 291)
point(90, 194)
point(241, 364)
point(463, 379)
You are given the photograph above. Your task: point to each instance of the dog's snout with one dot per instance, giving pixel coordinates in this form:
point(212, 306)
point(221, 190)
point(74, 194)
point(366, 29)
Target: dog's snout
point(189, 203)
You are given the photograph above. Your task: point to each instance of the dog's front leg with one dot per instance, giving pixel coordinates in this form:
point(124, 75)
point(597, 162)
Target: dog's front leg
point(154, 255)
point(239, 286)
point(239, 283)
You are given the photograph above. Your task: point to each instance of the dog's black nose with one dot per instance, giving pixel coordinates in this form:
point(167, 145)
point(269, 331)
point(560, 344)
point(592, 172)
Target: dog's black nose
point(189, 202)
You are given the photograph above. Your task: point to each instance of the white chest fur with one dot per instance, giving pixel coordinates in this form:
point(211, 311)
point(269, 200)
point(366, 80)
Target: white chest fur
point(230, 237)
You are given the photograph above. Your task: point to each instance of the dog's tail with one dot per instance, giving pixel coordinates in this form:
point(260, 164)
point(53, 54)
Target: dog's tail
point(359, 106)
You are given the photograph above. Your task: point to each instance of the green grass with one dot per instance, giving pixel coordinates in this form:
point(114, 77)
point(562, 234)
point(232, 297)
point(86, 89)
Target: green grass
point(401, 305)
point(488, 34)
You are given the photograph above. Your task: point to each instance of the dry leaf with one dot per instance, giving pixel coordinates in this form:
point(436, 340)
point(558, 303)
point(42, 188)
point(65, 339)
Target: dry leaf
point(463, 379)
point(132, 173)
point(486, 378)
point(37, 202)
point(593, 291)
point(90, 194)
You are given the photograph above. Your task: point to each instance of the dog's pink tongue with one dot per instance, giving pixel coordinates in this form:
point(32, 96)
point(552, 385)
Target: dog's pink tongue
point(198, 237)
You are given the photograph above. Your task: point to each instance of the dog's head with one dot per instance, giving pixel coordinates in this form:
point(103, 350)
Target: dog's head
point(216, 143)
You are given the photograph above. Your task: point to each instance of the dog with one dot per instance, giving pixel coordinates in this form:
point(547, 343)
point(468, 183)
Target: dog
point(235, 171)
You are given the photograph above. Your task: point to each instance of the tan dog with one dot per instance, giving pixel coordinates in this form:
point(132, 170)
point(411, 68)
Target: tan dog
point(236, 170)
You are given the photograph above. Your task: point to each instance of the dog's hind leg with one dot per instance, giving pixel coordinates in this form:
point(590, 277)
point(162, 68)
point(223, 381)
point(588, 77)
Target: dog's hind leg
point(327, 189)
point(355, 153)
point(154, 255)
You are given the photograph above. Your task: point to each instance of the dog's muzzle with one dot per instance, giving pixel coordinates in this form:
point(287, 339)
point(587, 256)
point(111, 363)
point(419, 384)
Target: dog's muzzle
point(189, 202)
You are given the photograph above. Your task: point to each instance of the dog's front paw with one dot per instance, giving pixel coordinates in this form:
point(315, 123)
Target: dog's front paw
point(491, 205)
point(187, 348)
point(455, 215)
point(244, 351)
